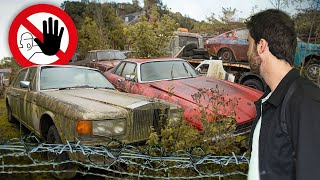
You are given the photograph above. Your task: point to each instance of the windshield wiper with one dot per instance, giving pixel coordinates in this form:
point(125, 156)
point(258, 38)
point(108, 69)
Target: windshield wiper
point(104, 88)
point(74, 87)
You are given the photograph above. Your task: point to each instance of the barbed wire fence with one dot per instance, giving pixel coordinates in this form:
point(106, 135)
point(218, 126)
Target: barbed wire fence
point(112, 163)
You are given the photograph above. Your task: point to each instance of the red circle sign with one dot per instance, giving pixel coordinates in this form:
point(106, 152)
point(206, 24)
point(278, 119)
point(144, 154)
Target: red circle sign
point(21, 20)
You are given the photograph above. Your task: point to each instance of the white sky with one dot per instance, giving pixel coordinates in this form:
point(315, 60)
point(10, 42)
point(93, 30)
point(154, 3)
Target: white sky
point(197, 9)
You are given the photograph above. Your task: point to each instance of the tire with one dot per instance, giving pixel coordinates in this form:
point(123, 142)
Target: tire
point(198, 57)
point(201, 51)
point(226, 55)
point(11, 119)
point(312, 70)
point(189, 47)
point(54, 138)
point(255, 84)
point(187, 54)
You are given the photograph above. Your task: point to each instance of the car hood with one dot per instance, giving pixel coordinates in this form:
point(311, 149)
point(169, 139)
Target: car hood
point(185, 88)
point(99, 103)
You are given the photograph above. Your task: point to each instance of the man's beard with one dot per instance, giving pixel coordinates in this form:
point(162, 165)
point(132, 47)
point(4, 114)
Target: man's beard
point(255, 62)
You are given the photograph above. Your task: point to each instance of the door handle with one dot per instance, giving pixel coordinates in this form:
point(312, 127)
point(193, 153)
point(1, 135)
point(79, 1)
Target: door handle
point(119, 80)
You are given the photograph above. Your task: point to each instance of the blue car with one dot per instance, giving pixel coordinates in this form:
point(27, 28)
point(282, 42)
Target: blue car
point(309, 56)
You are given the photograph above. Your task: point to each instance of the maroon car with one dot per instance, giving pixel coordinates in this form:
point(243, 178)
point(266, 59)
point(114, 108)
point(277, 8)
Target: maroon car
point(230, 46)
point(175, 80)
point(101, 59)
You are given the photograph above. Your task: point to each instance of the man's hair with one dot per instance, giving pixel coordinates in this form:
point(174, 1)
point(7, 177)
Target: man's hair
point(277, 28)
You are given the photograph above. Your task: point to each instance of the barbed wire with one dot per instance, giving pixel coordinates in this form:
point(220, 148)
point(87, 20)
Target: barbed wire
point(148, 163)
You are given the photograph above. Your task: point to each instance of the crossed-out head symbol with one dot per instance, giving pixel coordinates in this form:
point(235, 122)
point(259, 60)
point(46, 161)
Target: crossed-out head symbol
point(26, 41)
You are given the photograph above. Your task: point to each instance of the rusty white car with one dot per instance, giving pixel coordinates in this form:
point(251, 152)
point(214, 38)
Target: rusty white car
point(64, 103)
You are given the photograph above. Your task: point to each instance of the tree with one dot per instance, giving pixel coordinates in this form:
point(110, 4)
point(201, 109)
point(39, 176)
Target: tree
point(89, 37)
point(281, 4)
point(307, 23)
point(150, 39)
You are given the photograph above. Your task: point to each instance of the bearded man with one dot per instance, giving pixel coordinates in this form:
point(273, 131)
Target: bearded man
point(284, 140)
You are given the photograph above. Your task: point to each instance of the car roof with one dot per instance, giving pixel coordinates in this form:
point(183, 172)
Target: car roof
point(41, 66)
point(152, 60)
point(108, 50)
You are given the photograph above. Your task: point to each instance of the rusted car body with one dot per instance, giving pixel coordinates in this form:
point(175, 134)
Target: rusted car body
point(175, 80)
point(101, 59)
point(230, 46)
point(82, 104)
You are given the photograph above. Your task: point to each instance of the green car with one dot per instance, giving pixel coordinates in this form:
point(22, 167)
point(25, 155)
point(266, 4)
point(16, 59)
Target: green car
point(65, 103)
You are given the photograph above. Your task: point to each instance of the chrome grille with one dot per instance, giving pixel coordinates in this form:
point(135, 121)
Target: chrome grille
point(143, 120)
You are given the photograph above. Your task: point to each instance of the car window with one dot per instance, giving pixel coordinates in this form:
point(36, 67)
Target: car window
point(119, 69)
point(88, 56)
point(20, 77)
point(229, 34)
point(166, 70)
point(66, 77)
point(30, 76)
point(94, 56)
point(204, 69)
point(130, 68)
point(242, 33)
point(111, 55)
point(184, 40)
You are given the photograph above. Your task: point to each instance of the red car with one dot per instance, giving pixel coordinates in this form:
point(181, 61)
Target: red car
point(175, 80)
point(230, 46)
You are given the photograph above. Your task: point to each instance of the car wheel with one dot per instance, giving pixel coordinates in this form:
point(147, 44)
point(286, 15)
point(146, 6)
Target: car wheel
point(54, 138)
point(226, 55)
point(312, 70)
point(254, 83)
point(11, 119)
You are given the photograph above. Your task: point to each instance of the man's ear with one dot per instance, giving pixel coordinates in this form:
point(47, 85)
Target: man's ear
point(262, 46)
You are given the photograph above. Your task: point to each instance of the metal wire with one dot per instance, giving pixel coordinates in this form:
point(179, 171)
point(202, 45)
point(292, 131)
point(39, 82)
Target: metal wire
point(148, 164)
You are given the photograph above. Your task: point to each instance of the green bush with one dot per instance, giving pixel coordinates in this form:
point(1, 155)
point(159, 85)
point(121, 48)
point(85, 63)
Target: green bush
point(216, 137)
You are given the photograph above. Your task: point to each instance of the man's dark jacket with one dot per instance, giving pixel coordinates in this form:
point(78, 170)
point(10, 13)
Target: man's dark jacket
point(295, 154)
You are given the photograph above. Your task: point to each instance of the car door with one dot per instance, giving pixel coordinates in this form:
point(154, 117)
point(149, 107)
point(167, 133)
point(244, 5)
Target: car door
point(125, 68)
point(29, 98)
point(15, 94)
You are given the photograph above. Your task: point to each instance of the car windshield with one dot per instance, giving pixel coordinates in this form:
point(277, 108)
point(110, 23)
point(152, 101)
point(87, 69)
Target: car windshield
point(110, 55)
point(166, 70)
point(69, 77)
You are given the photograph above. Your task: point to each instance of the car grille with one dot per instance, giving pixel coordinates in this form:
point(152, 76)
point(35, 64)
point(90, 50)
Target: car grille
point(143, 120)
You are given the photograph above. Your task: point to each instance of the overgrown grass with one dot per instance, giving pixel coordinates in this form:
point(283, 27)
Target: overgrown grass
point(9, 131)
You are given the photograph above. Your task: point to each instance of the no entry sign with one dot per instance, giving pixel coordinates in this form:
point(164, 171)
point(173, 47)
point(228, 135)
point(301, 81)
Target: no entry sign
point(42, 34)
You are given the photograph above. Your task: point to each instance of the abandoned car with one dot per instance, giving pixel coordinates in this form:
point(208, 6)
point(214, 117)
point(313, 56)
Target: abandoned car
point(232, 46)
point(175, 80)
point(101, 59)
point(64, 103)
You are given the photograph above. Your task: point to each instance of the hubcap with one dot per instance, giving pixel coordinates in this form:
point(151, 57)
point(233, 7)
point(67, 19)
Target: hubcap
point(226, 56)
point(313, 71)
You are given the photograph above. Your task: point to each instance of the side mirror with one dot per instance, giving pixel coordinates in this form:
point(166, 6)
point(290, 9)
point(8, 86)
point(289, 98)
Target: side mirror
point(6, 82)
point(130, 77)
point(25, 84)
